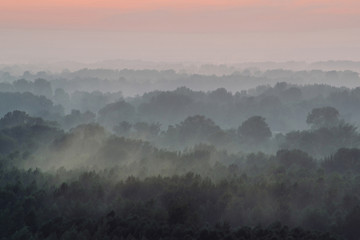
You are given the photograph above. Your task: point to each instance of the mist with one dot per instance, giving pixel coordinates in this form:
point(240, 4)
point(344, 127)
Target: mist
point(258, 149)
point(44, 46)
point(147, 120)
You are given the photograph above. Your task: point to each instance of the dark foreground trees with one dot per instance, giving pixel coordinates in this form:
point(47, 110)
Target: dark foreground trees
point(289, 195)
point(93, 205)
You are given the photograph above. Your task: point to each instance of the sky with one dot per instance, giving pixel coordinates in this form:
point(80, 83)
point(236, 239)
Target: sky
point(218, 31)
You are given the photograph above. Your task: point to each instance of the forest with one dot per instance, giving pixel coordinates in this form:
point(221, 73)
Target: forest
point(161, 154)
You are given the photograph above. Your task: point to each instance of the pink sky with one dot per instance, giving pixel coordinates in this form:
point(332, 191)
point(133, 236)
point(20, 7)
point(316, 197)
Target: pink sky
point(180, 15)
point(307, 25)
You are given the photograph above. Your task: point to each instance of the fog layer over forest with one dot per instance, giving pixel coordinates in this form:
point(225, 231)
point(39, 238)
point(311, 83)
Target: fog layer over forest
point(167, 154)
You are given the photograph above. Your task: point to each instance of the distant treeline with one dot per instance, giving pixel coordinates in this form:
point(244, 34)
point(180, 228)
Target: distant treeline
point(285, 106)
point(271, 162)
point(183, 117)
point(137, 82)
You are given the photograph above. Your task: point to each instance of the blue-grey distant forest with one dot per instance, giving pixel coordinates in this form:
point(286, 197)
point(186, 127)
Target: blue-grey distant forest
point(225, 153)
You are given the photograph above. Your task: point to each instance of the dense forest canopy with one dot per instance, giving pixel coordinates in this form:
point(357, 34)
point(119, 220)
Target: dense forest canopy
point(248, 155)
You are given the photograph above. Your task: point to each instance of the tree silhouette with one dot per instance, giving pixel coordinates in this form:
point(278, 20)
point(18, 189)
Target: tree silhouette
point(254, 130)
point(323, 117)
